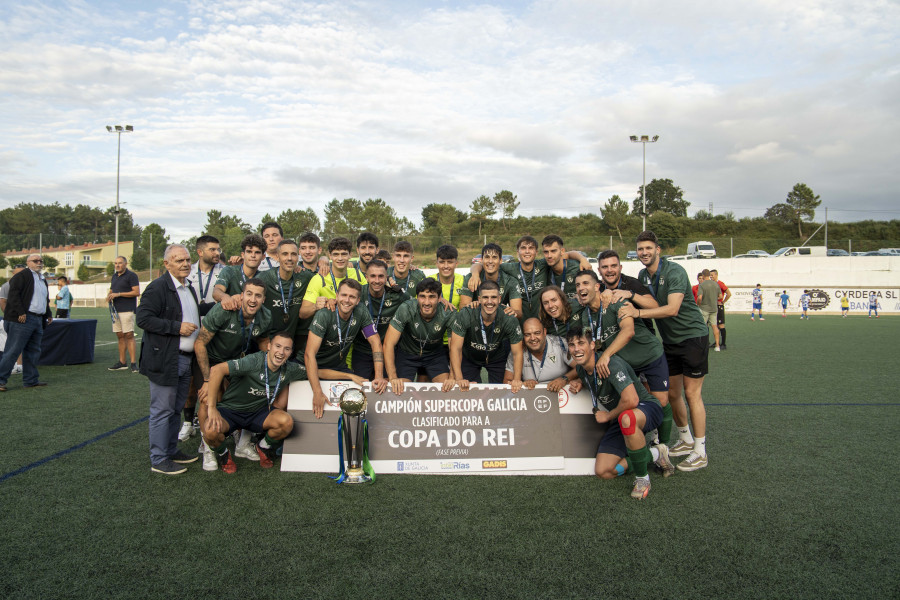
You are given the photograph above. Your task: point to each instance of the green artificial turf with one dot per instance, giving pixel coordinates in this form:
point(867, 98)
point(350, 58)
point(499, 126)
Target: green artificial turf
point(798, 501)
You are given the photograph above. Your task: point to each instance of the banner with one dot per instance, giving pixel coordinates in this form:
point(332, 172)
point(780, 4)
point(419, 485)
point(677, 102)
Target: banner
point(487, 430)
point(826, 300)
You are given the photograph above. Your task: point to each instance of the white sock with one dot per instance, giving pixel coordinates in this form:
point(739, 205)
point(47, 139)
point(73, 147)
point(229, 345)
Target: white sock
point(684, 433)
point(700, 445)
point(245, 437)
point(654, 452)
point(263, 444)
point(645, 477)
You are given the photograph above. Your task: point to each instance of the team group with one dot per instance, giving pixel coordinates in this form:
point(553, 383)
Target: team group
point(222, 343)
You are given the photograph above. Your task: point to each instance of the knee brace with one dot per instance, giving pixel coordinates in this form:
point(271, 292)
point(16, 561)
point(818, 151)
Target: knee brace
point(632, 423)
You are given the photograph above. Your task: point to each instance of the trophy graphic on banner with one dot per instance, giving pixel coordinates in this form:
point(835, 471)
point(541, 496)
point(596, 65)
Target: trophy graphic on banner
point(353, 437)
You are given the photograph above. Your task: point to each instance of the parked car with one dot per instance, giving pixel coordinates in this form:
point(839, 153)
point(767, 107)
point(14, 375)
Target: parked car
point(801, 251)
point(894, 251)
point(592, 260)
point(507, 258)
point(631, 255)
point(750, 256)
point(837, 252)
point(878, 253)
point(758, 253)
point(701, 250)
point(476, 259)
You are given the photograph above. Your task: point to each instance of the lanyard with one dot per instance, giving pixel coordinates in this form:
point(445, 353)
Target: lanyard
point(424, 342)
point(271, 398)
point(369, 305)
point(337, 317)
point(408, 277)
point(543, 358)
point(655, 287)
point(269, 262)
point(452, 285)
point(595, 332)
point(484, 336)
point(286, 303)
point(595, 389)
point(562, 286)
point(200, 282)
point(249, 333)
point(525, 284)
point(334, 282)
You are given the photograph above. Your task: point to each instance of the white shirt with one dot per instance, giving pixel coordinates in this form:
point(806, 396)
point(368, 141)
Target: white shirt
point(556, 362)
point(189, 314)
point(208, 280)
point(267, 263)
point(39, 298)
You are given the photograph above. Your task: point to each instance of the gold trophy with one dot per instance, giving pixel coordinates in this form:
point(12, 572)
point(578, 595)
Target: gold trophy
point(356, 437)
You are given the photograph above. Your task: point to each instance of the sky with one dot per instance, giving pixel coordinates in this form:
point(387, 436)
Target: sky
point(253, 106)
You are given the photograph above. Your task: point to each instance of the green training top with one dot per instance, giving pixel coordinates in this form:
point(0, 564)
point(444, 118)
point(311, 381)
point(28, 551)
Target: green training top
point(418, 336)
point(232, 278)
point(335, 345)
point(285, 292)
point(607, 394)
point(508, 289)
point(231, 336)
point(381, 314)
point(529, 285)
point(566, 279)
point(246, 391)
point(671, 278)
point(479, 344)
point(641, 350)
point(408, 284)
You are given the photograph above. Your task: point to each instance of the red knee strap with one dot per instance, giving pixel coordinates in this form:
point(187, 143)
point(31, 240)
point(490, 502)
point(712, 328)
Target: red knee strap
point(632, 423)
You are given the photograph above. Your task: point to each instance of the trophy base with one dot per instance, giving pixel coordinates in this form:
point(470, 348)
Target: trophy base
point(356, 475)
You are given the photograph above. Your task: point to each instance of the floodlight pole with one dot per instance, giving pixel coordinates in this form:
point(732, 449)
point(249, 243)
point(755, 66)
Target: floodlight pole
point(644, 140)
point(119, 130)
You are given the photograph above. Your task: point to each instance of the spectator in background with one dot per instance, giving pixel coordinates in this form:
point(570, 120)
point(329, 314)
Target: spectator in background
point(4, 294)
point(27, 313)
point(63, 298)
point(707, 300)
point(124, 288)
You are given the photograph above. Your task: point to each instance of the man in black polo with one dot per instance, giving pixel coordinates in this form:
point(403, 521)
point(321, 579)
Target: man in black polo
point(124, 288)
point(27, 313)
point(623, 286)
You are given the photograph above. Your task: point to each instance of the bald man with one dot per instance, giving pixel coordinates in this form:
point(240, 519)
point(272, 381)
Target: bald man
point(546, 359)
point(27, 313)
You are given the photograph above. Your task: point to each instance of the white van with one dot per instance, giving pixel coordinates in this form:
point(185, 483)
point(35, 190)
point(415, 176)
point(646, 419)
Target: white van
point(802, 251)
point(701, 250)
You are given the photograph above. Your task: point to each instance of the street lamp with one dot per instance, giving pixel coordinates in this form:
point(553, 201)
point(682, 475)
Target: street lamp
point(118, 130)
point(644, 139)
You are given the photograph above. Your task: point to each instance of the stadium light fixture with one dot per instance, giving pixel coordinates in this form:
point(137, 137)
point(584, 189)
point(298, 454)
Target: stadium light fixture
point(118, 130)
point(644, 140)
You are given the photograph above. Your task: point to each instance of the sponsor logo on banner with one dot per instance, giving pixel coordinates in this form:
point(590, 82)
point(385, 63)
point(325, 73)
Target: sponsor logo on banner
point(818, 299)
point(334, 393)
point(410, 465)
point(542, 404)
point(455, 466)
point(493, 464)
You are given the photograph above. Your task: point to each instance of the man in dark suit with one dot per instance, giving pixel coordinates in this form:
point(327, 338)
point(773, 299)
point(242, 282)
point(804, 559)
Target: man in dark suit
point(27, 313)
point(169, 315)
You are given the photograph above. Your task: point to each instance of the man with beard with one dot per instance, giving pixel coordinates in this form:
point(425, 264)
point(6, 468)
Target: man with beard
point(366, 249)
point(624, 287)
point(330, 336)
point(685, 342)
point(415, 338)
point(626, 338)
point(546, 359)
point(255, 400)
point(382, 302)
point(226, 335)
point(626, 409)
point(482, 337)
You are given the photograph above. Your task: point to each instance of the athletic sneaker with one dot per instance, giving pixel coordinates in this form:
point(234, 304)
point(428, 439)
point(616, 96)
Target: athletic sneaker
point(134, 368)
point(182, 458)
point(167, 467)
point(663, 461)
point(693, 462)
point(724, 347)
point(17, 370)
point(641, 488)
point(245, 449)
point(682, 448)
point(227, 463)
point(718, 349)
point(265, 461)
point(187, 431)
point(761, 319)
point(209, 460)
point(119, 366)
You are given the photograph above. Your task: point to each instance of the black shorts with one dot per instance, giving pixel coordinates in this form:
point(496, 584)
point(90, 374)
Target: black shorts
point(720, 315)
point(613, 440)
point(252, 421)
point(62, 313)
point(656, 374)
point(688, 358)
point(496, 370)
point(433, 364)
point(363, 365)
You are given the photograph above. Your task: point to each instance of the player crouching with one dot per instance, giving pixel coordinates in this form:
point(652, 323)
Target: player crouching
point(628, 410)
point(254, 400)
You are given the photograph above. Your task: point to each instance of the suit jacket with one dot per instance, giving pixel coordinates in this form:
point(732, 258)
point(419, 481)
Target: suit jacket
point(21, 290)
point(159, 315)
